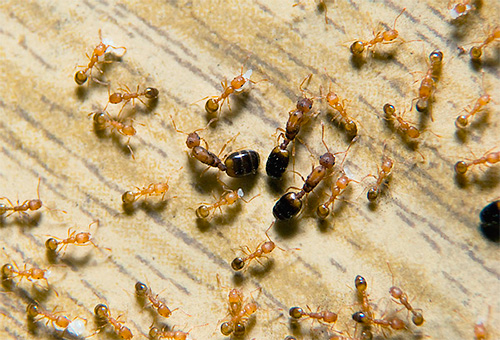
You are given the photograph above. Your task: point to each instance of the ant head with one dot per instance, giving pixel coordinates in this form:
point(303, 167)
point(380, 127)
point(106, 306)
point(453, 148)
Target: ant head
point(81, 77)
point(101, 311)
point(33, 309)
point(7, 270)
point(238, 264)
point(373, 194)
point(141, 288)
point(151, 92)
point(436, 57)
point(389, 109)
point(100, 118)
point(327, 160)
point(304, 105)
point(360, 283)
point(35, 204)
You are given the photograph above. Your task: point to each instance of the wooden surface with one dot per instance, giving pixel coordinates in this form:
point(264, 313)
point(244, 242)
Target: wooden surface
point(425, 225)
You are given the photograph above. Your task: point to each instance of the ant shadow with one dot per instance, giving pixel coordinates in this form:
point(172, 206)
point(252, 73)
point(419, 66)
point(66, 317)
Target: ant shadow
point(488, 181)
point(287, 229)
point(480, 124)
point(146, 205)
point(357, 61)
point(24, 220)
point(258, 271)
point(492, 63)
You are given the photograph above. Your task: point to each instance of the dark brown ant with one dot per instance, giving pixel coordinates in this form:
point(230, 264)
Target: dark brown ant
point(477, 51)
point(30, 205)
point(130, 197)
point(101, 311)
point(78, 239)
point(128, 95)
point(102, 120)
point(462, 167)
point(404, 126)
point(96, 57)
point(460, 9)
point(237, 164)
point(59, 322)
point(383, 174)
point(463, 120)
point(385, 37)
point(228, 197)
point(323, 316)
point(338, 105)
point(428, 83)
point(162, 309)
point(278, 160)
point(401, 297)
point(394, 322)
point(262, 250)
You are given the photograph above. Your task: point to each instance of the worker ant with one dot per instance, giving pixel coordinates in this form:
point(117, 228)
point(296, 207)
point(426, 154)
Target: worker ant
point(55, 244)
point(128, 95)
point(74, 327)
point(103, 315)
point(461, 167)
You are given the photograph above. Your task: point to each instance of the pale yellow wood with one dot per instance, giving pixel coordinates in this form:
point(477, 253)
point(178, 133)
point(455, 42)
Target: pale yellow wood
point(425, 225)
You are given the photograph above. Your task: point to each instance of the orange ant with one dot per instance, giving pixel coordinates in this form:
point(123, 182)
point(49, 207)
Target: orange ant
point(385, 37)
point(277, 161)
point(155, 333)
point(73, 327)
point(103, 120)
point(361, 285)
point(323, 316)
point(463, 120)
point(460, 9)
point(128, 95)
point(428, 83)
point(228, 197)
point(80, 239)
point(10, 271)
point(461, 167)
point(394, 322)
point(383, 174)
point(102, 312)
point(334, 101)
point(405, 127)
point(477, 51)
point(129, 197)
point(30, 205)
point(143, 290)
point(398, 294)
point(235, 86)
point(97, 57)
point(480, 331)
point(262, 250)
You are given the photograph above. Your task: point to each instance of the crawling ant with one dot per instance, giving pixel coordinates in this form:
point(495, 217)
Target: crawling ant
point(401, 297)
point(103, 120)
point(96, 57)
point(130, 197)
point(477, 51)
point(101, 311)
point(128, 95)
point(324, 316)
point(385, 37)
point(144, 291)
point(30, 205)
point(460, 9)
point(261, 251)
point(383, 174)
point(234, 87)
point(361, 285)
point(334, 101)
point(155, 333)
point(463, 120)
point(74, 327)
point(228, 197)
point(394, 322)
point(278, 160)
point(404, 126)
point(239, 313)
point(428, 83)
point(237, 164)
point(462, 167)
point(10, 271)
point(78, 239)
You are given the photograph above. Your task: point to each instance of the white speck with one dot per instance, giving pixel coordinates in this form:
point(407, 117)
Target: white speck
point(47, 274)
point(454, 14)
point(76, 327)
point(240, 193)
point(348, 172)
point(247, 74)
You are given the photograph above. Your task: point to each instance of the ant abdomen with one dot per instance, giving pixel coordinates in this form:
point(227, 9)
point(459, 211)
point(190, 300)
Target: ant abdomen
point(242, 163)
point(277, 162)
point(287, 206)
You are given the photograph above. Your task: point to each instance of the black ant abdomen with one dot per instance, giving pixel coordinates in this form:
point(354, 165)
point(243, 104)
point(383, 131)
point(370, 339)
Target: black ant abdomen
point(287, 206)
point(242, 163)
point(277, 162)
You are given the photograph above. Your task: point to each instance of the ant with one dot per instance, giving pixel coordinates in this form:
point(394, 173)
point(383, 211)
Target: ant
point(80, 239)
point(461, 167)
point(383, 174)
point(239, 313)
point(398, 294)
point(101, 311)
point(235, 86)
point(477, 51)
point(463, 120)
point(385, 37)
point(323, 316)
point(155, 333)
point(361, 285)
point(460, 9)
point(428, 83)
point(262, 250)
point(228, 197)
point(405, 127)
point(278, 160)
point(31, 205)
point(394, 323)
point(334, 101)
point(10, 271)
point(97, 56)
point(129, 197)
point(128, 95)
point(144, 291)
point(237, 164)
point(103, 120)
point(58, 321)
